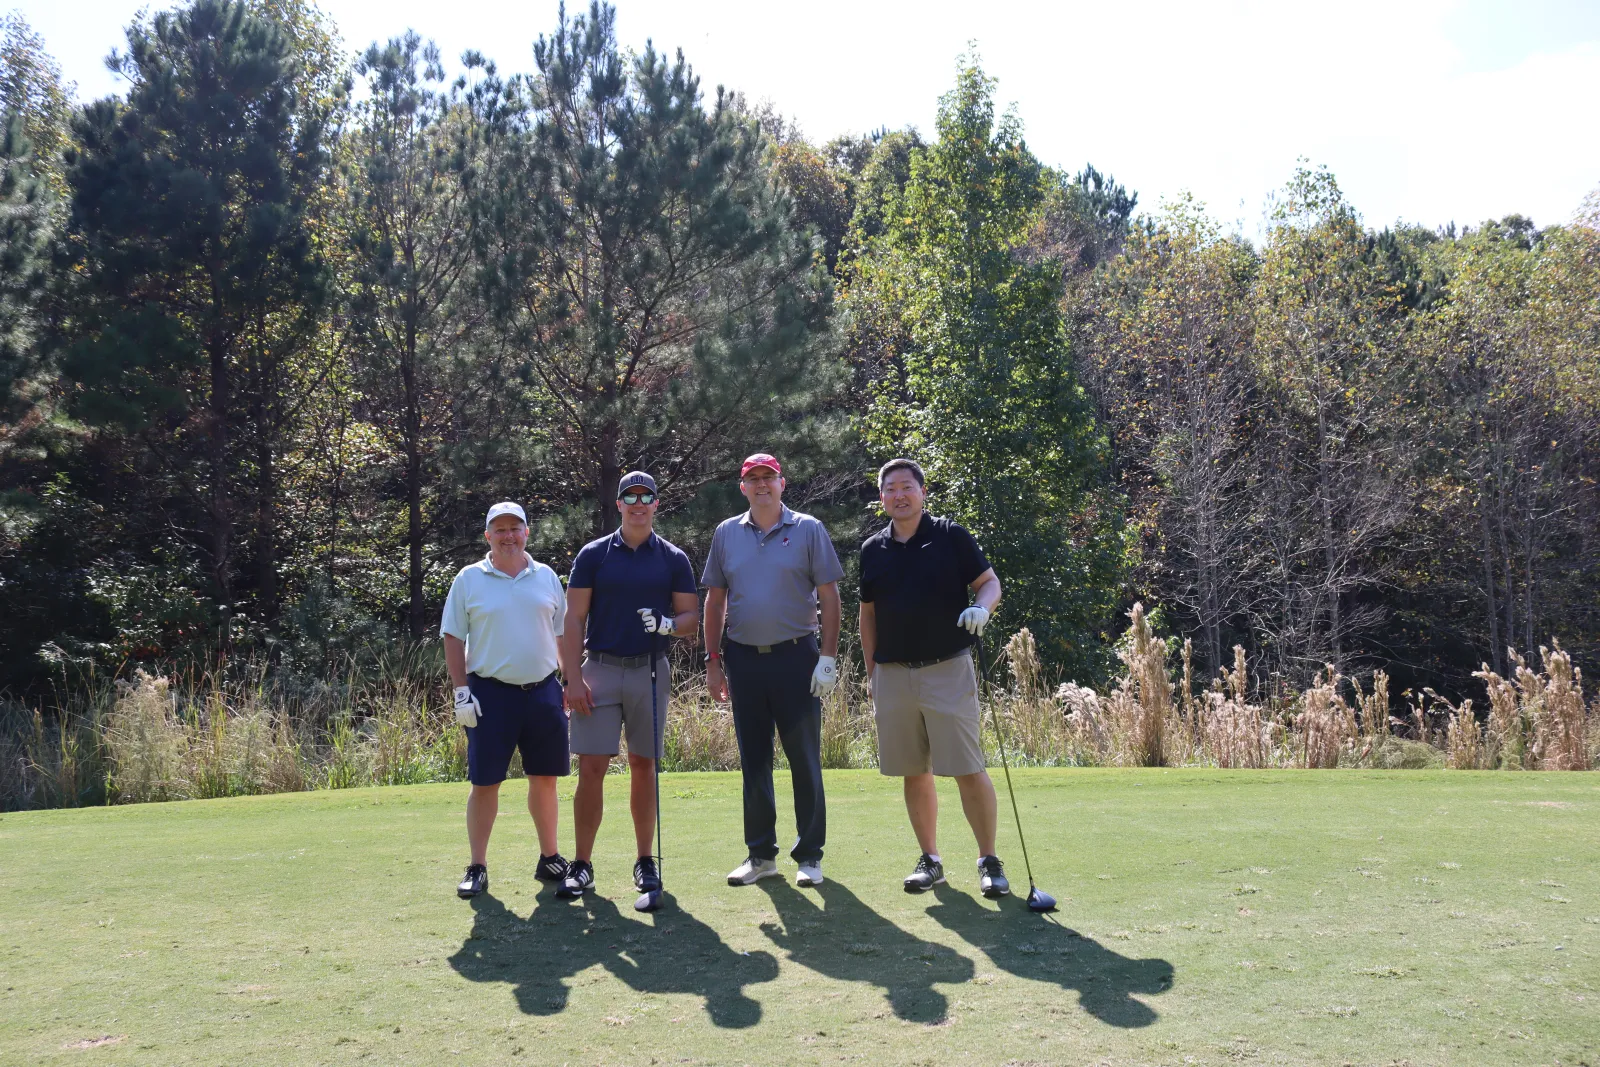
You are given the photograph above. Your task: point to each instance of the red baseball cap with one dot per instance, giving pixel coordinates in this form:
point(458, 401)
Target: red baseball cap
point(760, 459)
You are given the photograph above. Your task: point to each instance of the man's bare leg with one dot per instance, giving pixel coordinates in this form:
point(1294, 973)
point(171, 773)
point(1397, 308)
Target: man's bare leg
point(922, 805)
point(483, 804)
point(542, 806)
point(588, 804)
point(642, 801)
point(981, 808)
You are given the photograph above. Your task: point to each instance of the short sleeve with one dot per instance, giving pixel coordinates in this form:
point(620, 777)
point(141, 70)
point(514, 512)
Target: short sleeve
point(825, 566)
point(713, 577)
point(682, 573)
point(583, 568)
point(969, 557)
point(454, 623)
point(558, 616)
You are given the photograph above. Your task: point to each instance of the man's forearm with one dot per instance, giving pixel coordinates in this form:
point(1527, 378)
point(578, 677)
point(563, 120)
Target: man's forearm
point(716, 610)
point(868, 620)
point(455, 660)
point(569, 650)
point(987, 595)
point(831, 621)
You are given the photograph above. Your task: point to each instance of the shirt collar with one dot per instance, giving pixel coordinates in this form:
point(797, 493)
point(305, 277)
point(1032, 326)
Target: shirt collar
point(486, 565)
point(788, 518)
point(616, 539)
point(920, 531)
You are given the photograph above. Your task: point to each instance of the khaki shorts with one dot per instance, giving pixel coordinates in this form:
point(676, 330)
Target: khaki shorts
point(927, 718)
point(620, 697)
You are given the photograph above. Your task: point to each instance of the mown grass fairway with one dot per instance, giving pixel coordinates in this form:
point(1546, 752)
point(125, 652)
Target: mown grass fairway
point(1208, 917)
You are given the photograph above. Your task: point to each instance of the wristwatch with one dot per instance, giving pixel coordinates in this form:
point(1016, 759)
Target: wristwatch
point(713, 655)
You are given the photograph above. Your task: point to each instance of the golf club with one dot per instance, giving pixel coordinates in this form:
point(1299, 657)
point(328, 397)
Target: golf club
point(651, 901)
point(1038, 899)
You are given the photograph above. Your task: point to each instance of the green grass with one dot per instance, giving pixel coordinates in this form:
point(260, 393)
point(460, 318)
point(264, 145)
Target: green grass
point(1208, 917)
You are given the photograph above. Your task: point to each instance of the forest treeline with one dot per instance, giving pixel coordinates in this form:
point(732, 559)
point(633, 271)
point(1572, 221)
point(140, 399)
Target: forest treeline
point(282, 318)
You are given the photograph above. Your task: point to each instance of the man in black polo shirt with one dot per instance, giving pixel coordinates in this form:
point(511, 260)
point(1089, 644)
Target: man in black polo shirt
point(627, 590)
point(917, 628)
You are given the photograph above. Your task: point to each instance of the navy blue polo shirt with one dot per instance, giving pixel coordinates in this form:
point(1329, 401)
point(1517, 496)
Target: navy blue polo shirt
point(624, 580)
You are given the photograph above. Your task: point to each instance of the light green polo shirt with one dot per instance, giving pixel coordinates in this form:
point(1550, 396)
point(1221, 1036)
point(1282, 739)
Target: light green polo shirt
point(509, 622)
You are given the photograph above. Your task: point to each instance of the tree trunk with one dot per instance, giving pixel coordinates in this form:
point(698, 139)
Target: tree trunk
point(219, 505)
point(1486, 552)
point(413, 432)
point(609, 472)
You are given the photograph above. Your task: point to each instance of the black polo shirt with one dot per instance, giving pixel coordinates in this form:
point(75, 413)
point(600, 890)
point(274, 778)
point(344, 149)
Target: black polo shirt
point(918, 588)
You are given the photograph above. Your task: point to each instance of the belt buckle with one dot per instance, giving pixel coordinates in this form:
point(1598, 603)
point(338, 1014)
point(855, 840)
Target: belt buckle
point(763, 648)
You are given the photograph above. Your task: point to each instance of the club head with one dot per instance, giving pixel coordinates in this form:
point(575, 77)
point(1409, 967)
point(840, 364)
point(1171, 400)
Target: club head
point(1040, 901)
point(653, 900)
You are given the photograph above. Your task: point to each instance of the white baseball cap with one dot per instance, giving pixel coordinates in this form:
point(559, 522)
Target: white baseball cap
point(505, 507)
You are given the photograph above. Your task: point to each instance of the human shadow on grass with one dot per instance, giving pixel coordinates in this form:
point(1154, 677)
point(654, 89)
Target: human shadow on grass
point(1042, 949)
point(677, 953)
point(844, 939)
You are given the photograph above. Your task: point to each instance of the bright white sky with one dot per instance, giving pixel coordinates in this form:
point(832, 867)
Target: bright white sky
point(1428, 111)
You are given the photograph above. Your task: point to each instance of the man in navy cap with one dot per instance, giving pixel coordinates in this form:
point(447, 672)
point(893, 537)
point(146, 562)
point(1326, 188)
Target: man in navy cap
point(501, 621)
point(768, 572)
point(627, 592)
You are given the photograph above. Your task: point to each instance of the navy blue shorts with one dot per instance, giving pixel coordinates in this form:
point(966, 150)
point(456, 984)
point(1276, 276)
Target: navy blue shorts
point(532, 720)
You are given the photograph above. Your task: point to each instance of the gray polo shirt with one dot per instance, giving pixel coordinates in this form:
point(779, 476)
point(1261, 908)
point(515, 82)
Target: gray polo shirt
point(771, 578)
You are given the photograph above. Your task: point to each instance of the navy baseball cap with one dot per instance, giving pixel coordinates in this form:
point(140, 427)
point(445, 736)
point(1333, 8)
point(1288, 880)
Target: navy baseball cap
point(633, 479)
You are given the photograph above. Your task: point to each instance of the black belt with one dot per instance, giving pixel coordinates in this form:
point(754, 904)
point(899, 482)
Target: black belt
point(625, 662)
point(775, 644)
point(513, 685)
point(914, 664)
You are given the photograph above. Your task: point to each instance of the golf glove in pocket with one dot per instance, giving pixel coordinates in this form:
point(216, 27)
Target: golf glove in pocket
point(467, 708)
point(653, 624)
point(824, 677)
point(974, 619)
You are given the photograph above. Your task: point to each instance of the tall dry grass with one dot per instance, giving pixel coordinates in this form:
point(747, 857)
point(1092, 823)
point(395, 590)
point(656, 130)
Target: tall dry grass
point(1540, 722)
point(1326, 724)
point(237, 728)
point(1141, 705)
point(1233, 731)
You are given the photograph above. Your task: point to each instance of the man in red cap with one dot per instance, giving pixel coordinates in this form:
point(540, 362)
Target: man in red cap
point(767, 574)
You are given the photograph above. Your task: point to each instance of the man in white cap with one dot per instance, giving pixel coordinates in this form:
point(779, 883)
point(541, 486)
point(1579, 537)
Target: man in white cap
point(501, 621)
point(767, 573)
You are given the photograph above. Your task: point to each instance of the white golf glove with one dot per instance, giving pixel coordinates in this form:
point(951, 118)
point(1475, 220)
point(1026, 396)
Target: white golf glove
point(467, 707)
point(825, 677)
point(974, 619)
point(654, 625)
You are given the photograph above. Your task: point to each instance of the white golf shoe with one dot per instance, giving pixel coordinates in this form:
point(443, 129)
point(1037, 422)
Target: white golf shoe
point(752, 871)
point(809, 874)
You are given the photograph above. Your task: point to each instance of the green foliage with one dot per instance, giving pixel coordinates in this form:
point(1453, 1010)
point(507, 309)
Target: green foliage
point(197, 279)
point(987, 399)
point(25, 232)
point(638, 250)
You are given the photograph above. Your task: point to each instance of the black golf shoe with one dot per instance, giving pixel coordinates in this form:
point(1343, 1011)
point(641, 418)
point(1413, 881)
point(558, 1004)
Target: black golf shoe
point(475, 881)
point(579, 880)
point(929, 872)
point(992, 877)
point(551, 868)
point(646, 875)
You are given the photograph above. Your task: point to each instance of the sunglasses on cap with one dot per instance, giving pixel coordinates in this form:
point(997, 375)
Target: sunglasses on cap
point(638, 496)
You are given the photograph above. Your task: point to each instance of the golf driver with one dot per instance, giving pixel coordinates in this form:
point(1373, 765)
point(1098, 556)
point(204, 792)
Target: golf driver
point(651, 901)
point(1038, 899)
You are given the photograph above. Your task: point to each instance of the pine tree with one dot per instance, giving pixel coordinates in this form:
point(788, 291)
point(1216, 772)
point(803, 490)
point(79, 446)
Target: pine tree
point(25, 209)
point(986, 398)
point(640, 252)
point(188, 204)
point(410, 257)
